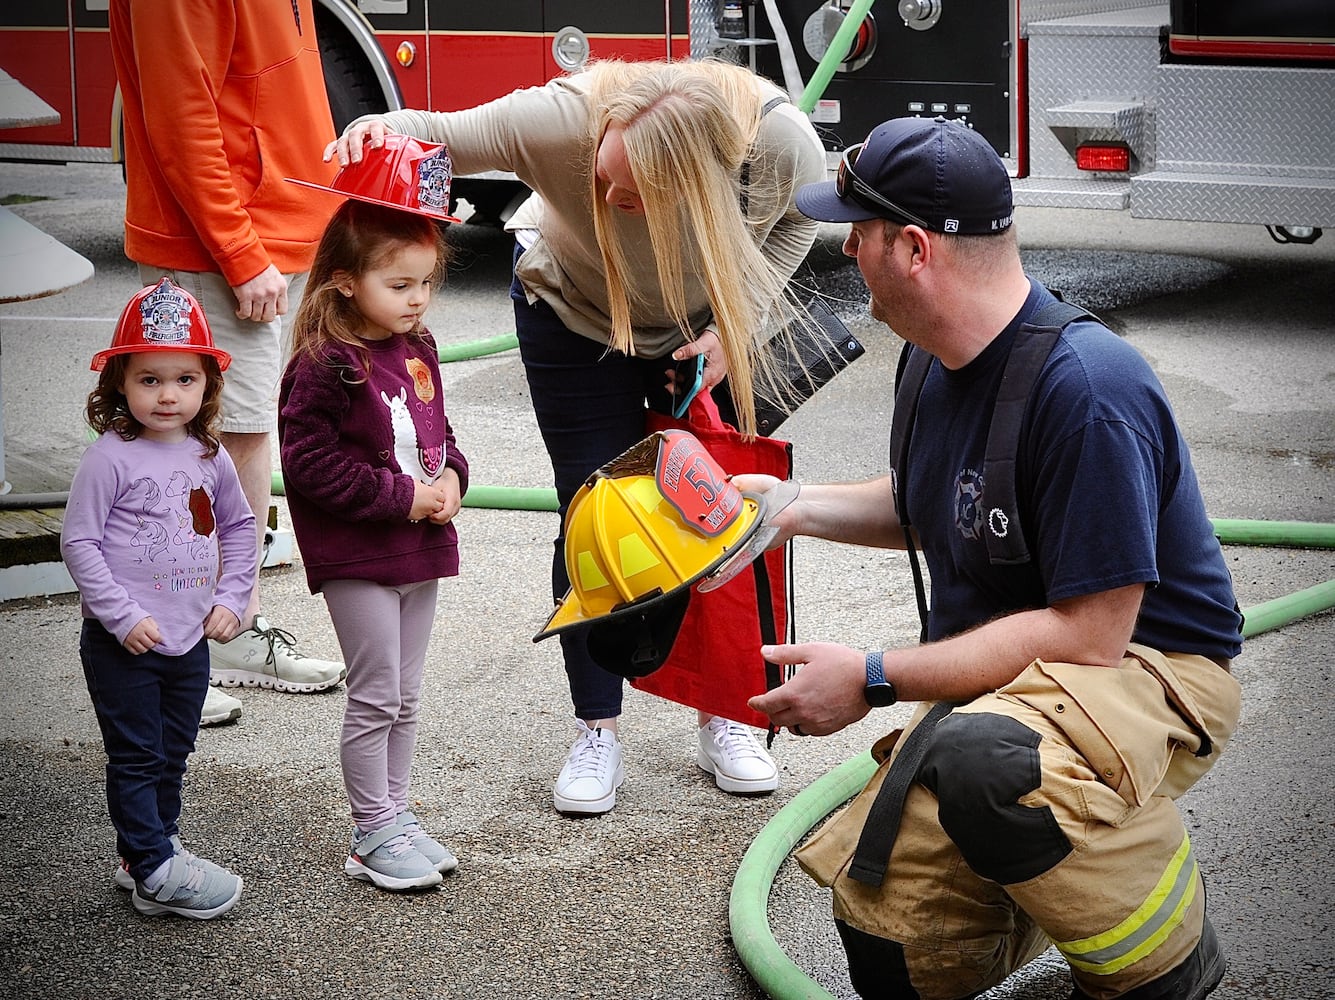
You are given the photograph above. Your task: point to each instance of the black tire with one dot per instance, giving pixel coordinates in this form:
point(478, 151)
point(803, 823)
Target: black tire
point(348, 79)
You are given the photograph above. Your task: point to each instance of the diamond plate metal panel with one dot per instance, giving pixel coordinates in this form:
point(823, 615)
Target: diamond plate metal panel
point(53, 154)
point(1078, 192)
point(1043, 10)
point(1237, 198)
point(1125, 120)
point(704, 31)
point(1110, 58)
point(1245, 120)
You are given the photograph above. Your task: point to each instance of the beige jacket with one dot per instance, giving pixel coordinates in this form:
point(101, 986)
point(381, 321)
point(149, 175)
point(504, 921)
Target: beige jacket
point(541, 136)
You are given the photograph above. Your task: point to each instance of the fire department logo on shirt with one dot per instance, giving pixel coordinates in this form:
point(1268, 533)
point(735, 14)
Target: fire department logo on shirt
point(434, 174)
point(165, 315)
point(968, 505)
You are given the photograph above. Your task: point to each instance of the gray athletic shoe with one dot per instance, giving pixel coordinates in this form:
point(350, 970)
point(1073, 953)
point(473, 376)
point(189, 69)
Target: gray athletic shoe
point(190, 889)
point(387, 859)
point(428, 846)
point(124, 880)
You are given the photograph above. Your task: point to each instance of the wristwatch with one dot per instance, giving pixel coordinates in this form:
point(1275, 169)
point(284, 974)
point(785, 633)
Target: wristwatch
point(879, 692)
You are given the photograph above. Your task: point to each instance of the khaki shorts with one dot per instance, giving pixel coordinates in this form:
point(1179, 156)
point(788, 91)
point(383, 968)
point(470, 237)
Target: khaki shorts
point(258, 350)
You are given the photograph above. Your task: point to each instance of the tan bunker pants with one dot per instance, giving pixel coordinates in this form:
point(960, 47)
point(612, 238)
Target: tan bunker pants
point(1043, 813)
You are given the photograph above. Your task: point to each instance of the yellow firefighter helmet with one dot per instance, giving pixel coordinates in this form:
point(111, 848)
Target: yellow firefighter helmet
point(647, 526)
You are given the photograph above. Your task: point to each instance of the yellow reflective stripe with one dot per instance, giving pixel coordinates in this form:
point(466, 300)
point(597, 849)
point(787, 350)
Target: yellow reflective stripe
point(1145, 929)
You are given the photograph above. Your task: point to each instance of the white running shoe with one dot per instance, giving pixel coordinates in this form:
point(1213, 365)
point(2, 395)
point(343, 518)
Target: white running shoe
point(219, 707)
point(592, 774)
point(732, 754)
point(267, 657)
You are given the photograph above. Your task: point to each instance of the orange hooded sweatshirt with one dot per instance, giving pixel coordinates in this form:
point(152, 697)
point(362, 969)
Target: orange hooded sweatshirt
point(222, 101)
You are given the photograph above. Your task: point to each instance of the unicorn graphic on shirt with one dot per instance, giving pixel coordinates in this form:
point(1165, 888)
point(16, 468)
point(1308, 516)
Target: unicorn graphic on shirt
point(145, 494)
point(412, 459)
point(152, 538)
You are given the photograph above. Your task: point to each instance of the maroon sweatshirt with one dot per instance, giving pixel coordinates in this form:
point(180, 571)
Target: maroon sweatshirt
point(352, 443)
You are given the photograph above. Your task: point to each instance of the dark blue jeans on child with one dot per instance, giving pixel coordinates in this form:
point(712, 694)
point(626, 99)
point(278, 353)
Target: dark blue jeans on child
point(148, 709)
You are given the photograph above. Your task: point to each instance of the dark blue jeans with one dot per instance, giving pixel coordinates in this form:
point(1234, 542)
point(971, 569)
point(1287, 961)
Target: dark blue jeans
point(148, 710)
point(590, 406)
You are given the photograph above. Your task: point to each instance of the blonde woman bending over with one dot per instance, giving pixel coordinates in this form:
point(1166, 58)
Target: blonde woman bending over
point(662, 227)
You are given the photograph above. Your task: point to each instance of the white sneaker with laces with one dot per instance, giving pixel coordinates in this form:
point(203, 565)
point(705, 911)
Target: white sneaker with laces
point(732, 754)
point(219, 707)
point(592, 773)
point(267, 657)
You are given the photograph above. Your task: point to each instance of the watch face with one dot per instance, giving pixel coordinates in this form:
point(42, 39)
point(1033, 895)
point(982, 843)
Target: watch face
point(880, 695)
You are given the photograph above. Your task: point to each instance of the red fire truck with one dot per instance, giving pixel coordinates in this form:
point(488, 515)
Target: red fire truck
point(1215, 110)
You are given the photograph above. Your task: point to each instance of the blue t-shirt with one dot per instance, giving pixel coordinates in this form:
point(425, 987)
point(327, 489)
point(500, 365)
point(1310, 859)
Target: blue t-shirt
point(1106, 491)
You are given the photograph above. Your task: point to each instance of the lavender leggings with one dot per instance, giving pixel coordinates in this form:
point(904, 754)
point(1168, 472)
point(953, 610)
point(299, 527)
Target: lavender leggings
point(383, 632)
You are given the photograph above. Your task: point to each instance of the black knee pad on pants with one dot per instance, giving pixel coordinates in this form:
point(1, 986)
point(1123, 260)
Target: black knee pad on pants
point(876, 965)
point(979, 765)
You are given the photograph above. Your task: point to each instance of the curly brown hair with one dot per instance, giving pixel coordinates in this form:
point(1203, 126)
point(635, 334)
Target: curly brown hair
point(108, 409)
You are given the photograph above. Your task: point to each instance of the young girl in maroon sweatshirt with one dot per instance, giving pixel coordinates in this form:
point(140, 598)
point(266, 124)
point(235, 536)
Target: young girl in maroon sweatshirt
point(373, 479)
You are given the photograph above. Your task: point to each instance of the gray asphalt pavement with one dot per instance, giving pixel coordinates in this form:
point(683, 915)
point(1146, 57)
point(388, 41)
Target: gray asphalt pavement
point(634, 903)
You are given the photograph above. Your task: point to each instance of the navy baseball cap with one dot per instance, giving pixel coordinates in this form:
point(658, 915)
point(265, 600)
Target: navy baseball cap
point(930, 172)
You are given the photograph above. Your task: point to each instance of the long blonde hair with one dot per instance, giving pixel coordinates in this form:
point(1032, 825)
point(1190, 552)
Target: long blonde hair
point(687, 128)
point(359, 238)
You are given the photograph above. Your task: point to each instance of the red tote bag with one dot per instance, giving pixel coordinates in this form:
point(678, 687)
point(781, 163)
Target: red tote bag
point(715, 664)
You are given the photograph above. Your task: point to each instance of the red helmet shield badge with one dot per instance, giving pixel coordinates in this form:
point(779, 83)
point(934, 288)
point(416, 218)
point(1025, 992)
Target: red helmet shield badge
point(694, 484)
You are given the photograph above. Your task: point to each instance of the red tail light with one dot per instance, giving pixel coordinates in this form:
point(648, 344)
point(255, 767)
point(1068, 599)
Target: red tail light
point(1108, 158)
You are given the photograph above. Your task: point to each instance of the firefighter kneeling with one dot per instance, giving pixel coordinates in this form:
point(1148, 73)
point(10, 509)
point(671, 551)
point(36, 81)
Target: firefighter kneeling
point(1073, 672)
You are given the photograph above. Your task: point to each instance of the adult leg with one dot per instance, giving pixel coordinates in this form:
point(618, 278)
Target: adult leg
point(589, 405)
point(1059, 789)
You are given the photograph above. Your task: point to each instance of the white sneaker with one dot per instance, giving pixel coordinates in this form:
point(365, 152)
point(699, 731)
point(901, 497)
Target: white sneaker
point(219, 707)
point(267, 657)
point(592, 774)
point(730, 752)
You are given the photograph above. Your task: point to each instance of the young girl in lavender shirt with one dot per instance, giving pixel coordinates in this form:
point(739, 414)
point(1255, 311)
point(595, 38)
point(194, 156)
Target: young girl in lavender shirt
point(154, 506)
point(373, 479)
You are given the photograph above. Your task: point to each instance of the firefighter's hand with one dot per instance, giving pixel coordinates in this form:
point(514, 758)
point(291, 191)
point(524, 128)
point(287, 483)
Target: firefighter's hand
point(786, 519)
point(263, 298)
point(348, 147)
point(824, 696)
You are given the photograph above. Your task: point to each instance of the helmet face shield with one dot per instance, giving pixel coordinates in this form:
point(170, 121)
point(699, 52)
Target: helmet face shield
point(783, 493)
point(647, 526)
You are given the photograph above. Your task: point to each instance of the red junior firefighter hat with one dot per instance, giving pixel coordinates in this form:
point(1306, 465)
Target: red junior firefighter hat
point(162, 317)
point(404, 173)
